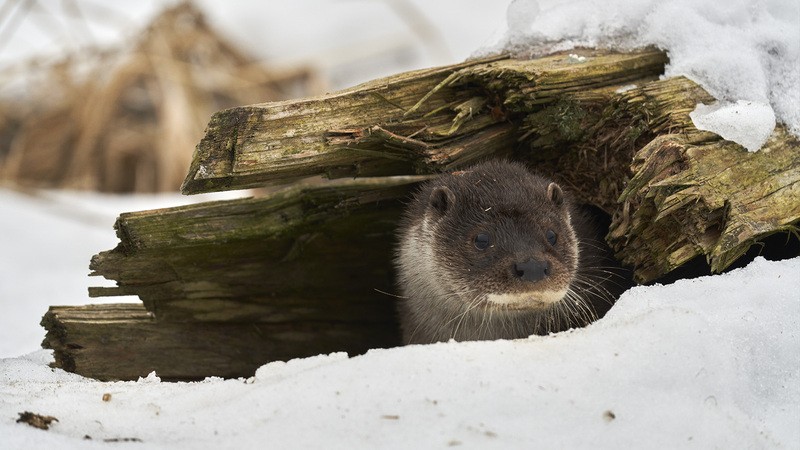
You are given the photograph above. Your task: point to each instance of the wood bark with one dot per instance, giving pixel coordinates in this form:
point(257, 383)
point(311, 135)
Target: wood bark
point(692, 197)
point(320, 253)
point(417, 122)
point(565, 116)
point(125, 342)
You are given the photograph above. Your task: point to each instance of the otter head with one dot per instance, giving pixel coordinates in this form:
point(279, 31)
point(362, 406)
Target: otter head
point(504, 240)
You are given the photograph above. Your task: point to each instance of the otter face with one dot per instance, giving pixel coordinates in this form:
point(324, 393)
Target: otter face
point(505, 244)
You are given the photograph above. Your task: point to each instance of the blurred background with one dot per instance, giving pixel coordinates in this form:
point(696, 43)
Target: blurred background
point(102, 103)
point(113, 96)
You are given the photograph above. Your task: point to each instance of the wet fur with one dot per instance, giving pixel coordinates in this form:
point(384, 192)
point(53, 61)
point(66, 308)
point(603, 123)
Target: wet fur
point(444, 281)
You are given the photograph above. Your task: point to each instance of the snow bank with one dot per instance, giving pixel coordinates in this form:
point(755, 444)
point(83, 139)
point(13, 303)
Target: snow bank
point(707, 363)
point(747, 123)
point(737, 50)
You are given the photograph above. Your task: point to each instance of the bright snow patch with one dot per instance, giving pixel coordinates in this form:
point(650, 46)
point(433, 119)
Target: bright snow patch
point(704, 363)
point(625, 88)
point(737, 50)
point(747, 123)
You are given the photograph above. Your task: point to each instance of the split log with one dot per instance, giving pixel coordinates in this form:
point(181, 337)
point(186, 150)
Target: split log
point(709, 198)
point(125, 342)
point(310, 254)
point(563, 115)
point(320, 255)
point(417, 122)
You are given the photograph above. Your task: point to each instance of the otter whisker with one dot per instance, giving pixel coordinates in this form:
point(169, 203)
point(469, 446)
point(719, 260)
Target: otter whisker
point(483, 252)
point(474, 303)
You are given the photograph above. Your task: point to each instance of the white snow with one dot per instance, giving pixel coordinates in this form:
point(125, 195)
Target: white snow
point(748, 123)
point(710, 362)
point(739, 50)
point(576, 58)
point(703, 363)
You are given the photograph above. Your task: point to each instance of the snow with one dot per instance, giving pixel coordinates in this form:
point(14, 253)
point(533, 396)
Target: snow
point(748, 123)
point(707, 363)
point(740, 50)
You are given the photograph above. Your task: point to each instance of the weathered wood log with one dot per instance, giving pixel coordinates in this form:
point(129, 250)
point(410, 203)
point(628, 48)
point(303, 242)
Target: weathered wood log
point(675, 192)
point(690, 198)
point(587, 141)
point(125, 342)
point(416, 122)
point(320, 256)
point(320, 253)
point(563, 115)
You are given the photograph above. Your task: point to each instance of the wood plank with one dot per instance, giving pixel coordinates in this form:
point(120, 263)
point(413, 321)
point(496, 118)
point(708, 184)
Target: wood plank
point(319, 253)
point(411, 123)
point(125, 342)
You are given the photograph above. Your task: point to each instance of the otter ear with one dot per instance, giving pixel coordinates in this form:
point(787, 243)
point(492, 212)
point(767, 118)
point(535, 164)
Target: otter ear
point(555, 194)
point(442, 199)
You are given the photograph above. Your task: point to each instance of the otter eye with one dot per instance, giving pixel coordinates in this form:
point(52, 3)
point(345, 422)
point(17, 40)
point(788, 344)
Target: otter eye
point(482, 241)
point(551, 236)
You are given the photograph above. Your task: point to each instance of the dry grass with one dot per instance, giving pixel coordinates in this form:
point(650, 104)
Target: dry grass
point(127, 120)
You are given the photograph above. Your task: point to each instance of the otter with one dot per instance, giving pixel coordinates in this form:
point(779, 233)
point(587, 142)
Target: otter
point(498, 252)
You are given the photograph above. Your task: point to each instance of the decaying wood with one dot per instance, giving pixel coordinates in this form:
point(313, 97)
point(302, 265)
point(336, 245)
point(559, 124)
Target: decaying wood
point(710, 198)
point(587, 141)
point(125, 342)
point(565, 116)
point(417, 122)
point(315, 254)
point(318, 258)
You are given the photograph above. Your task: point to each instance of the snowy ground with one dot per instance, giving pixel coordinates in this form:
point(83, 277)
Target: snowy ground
point(705, 363)
point(710, 362)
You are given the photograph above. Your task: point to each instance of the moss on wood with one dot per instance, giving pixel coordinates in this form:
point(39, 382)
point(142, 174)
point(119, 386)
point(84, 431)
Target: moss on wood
point(690, 198)
point(317, 253)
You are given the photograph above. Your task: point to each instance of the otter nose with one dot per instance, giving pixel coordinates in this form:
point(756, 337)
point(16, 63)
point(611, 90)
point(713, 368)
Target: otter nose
point(532, 270)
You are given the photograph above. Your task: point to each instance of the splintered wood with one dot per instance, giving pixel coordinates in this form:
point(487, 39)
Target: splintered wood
point(417, 122)
point(125, 342)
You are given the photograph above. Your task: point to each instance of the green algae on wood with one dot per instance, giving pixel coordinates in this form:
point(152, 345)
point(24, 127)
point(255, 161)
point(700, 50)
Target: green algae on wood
point(709, 198)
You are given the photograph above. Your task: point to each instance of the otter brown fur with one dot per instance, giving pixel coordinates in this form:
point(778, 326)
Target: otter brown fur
point(497, 252)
